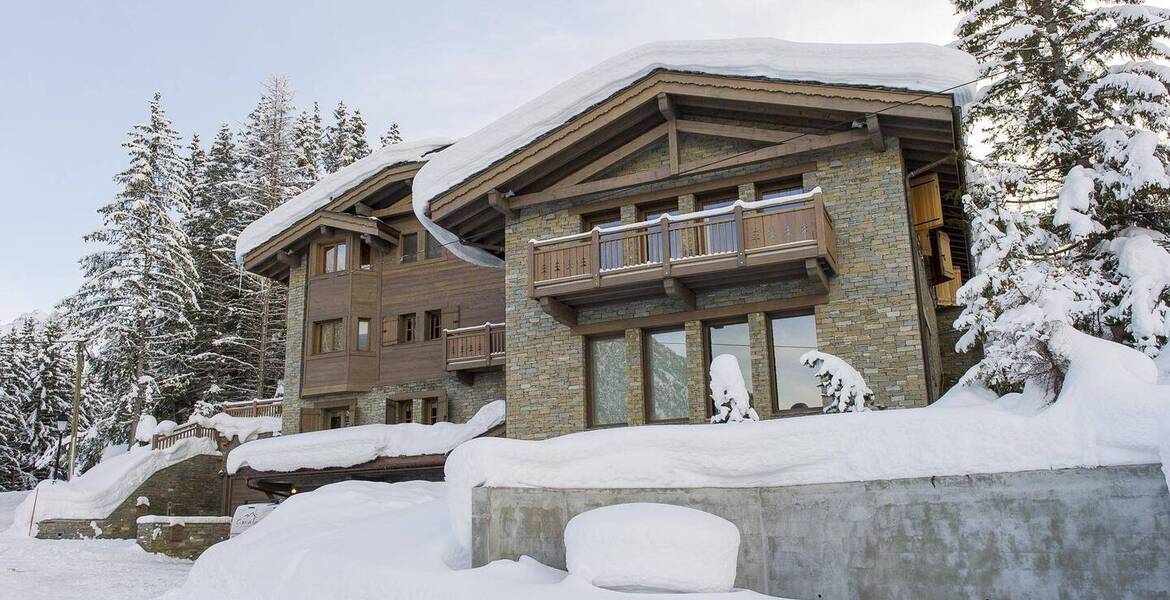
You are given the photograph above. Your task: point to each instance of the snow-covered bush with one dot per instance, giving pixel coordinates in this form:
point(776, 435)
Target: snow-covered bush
point(729, 392)
point(146, 426)
point(647, 547)
point(841, 384)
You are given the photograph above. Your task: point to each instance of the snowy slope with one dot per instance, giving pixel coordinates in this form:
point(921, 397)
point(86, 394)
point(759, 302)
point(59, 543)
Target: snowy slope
point(97, 492)
point(304, 204)
point(1110, 412)
point(355, 445)
point(916, 67)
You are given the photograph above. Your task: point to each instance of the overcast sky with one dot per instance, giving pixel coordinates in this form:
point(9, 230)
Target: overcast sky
point(75, 75)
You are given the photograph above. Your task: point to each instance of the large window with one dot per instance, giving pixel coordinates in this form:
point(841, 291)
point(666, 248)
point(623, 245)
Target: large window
point(608, 381)
point(332, 258)
point(434, 247)
point(328, 336)
point(363, 335)
point(796, 384)
point(733, 339)
point(409, 248)
point(666, 375)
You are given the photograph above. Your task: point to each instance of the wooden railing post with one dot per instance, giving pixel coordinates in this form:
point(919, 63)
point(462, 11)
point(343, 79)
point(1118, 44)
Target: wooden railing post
point(595, 245)
point(818, 220)
point(531, 268)
point(487, 342)
point(665, 244)
point(741, 245)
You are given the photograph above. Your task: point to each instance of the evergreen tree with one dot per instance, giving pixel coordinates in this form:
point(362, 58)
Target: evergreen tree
point(52, 393)
point(17, 347)
point(140, 287)
point(392, 136)
point(308, 138)
point(1068, 207)
point(358, 144)
point(345, 139)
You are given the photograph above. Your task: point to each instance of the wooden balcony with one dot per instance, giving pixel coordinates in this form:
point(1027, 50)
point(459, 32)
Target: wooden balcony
point(254, 408)
point(672, 255)
point(475, 348)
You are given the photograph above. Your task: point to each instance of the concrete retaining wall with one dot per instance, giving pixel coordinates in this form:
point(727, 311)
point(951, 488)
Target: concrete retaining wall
point(182, 537)
point(1072, 533)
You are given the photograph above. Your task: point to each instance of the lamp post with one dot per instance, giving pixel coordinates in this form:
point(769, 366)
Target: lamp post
point(62, 423)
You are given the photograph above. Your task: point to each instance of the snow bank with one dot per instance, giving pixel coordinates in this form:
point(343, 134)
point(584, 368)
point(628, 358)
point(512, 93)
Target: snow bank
point(329, 187)
point(97, 492)
point(244, 429)
point(1110, 412)
point(363, 540)
point(916, 67)
point(179, 520)
point(355, 445)
point(652, 547)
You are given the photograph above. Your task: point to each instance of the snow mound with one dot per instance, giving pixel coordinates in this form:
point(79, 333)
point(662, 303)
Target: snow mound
point(329, 187)
point(915, 67)
point(729, 392)
point(1110, 412)
point(652, 547)
point(243, 429)
point(97, 492)
point(355, 445)
point(145, 429)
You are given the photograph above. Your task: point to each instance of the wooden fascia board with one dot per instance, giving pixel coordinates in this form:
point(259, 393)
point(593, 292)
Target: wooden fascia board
point(845, 98)
point(310, 225)
point(624, 151)
point(756, 134)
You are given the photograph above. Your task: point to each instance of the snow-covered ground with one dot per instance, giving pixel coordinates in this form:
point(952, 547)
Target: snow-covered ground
point(367, 540)
point(32, 569)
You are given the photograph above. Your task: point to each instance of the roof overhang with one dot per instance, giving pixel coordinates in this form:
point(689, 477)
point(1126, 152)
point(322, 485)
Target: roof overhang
point(285, 249)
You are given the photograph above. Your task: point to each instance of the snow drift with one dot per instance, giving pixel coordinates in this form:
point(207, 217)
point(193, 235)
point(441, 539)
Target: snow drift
point(97, 492)
point(914, 67)
point(243, 429)
point(355, 445)
point(329, 187)
point(1111, 411)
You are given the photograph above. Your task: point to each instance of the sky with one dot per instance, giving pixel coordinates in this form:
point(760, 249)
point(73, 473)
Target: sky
point(74, 76)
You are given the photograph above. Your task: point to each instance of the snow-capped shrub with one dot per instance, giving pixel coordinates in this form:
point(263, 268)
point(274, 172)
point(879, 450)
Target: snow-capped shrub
point(841, 384)
point(145, 429)
point(729, 392)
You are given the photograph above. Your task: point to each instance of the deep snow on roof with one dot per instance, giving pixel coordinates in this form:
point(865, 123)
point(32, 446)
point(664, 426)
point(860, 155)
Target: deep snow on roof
point(329, 187)
point(911, 66)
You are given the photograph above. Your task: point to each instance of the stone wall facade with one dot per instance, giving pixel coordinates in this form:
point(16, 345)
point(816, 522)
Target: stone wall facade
point(192, 487)
point(870, 317)
point(1069, 533)
point(180, 537)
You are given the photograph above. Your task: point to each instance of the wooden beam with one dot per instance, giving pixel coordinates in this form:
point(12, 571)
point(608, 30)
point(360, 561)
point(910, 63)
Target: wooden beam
point(875, 133)
point(488, 247)
point(679, 291)
point(363, 209)
point(290, 258)
point(798, 303)
point(666, 107)
point(563, 313)
point(377, 242)
point(496, 200)
point(758, 134)
point(816, 274)
point(631, 147)
point(475, 222)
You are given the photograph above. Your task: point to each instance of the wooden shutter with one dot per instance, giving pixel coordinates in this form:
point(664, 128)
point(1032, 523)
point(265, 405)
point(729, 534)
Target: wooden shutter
point(310, 419)
point(450, 317)
point(947, 291)
point(926, 202)
point(942, 246)
point(390, 330)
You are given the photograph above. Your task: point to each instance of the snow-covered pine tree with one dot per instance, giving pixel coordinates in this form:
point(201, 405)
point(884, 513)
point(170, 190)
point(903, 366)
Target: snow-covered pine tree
point(269, 176)
point(308, 135)
point(345, 139)
point(358, 144)
point(51, 394)
point(392, 136)
point(17, 347)
point(1069, 205)
point(140, 286)
point(198, 223)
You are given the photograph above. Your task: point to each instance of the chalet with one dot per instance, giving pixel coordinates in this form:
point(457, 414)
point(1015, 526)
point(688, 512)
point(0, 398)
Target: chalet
point(683, 200)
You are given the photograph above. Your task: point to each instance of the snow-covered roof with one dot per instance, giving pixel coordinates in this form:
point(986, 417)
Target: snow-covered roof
point(912, 66)
point(330, 187)
point(355, 445)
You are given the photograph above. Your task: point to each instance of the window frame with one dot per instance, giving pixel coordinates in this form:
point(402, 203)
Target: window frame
point(647, 376)
point(369, 335)
point(776, 410)
point(404, 257)
point(337, 327)
point(431, 333)
point(427, 247)
point(365, 256)
point(708, 356)
point(588, 362)
point(340, 262)
point(407, 328)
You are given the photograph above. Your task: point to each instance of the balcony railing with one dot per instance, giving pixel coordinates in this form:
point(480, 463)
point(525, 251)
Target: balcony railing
point(478, 347)
point(254, 408)
point(745, 235)
point(190, 430)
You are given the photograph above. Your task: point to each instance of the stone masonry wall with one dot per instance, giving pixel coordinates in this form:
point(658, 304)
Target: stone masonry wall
point(180, 539)
point(192, 487)
point(294, 348)
point(870, 318)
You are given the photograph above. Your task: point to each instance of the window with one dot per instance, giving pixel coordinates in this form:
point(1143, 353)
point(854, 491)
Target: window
point(796, 384)
point(779, 189)
point(328, 336)
point(436, 410)
point(652, 246)
point(721, 233)
point(733, 339)
point(406, 331)
point(666, 370)
point(365, 257)
point(336, 418)
point(400, 411)
point(434, 247)
point(363, 335)
point(409, 248)
point(612, 251)
point(332, 258)
point(434, 324)
point(608, 383)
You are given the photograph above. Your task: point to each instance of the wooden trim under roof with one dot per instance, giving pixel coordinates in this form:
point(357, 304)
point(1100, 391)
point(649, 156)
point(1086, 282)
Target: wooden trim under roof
point(322, 219)
point(799, 97)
